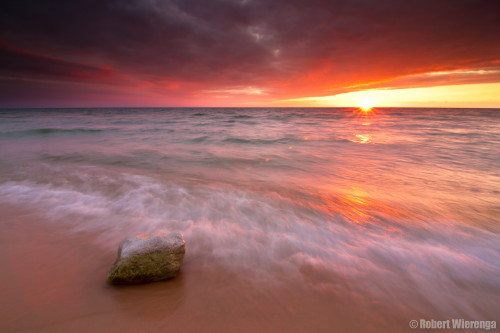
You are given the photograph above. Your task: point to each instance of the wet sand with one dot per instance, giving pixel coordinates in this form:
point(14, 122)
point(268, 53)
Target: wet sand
point(54, 281)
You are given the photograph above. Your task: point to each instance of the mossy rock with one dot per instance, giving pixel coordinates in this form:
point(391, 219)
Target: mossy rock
point(148, 258)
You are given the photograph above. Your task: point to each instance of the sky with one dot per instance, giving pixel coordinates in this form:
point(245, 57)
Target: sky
point(400, 53)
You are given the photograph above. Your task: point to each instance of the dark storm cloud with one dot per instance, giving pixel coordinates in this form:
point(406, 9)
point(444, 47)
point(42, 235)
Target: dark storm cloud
point(292, 48)
point(146, 37)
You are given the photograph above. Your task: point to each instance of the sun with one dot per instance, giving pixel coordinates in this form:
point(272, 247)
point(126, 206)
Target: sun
point(366, 106)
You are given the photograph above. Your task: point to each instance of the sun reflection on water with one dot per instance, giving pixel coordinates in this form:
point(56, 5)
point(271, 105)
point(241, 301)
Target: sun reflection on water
point(364, 121)
point(359, 207)
point(362, 138)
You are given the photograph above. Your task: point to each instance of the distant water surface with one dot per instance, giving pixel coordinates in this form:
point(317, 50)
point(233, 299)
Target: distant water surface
point(384, 216)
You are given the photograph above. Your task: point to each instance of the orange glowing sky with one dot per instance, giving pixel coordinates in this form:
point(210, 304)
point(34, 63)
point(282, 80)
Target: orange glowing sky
point(250, 53)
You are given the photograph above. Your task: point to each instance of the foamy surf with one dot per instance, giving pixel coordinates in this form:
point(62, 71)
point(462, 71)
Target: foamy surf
point(265, 236)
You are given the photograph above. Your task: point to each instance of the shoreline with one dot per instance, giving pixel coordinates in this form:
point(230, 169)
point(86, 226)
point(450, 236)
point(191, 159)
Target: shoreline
point(60, 286)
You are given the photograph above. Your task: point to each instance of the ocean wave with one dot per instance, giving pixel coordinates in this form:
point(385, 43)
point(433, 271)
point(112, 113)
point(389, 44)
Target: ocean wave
point(327, 242)
point(200, 139)
point(258, 141)
point(142, 159)
point(50, 131)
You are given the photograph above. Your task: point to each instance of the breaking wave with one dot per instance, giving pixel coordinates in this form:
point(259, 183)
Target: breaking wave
point(270, 235)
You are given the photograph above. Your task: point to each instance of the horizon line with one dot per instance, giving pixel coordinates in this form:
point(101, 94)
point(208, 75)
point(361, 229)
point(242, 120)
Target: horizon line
point(239, 107)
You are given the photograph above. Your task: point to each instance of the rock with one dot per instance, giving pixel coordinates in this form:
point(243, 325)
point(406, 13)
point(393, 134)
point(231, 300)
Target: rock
point(148, 258)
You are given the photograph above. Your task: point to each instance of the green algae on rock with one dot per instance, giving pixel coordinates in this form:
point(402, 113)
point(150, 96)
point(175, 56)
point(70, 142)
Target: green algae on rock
point(148, 258)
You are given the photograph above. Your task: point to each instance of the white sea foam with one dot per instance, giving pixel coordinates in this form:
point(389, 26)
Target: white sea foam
point(253, 235)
